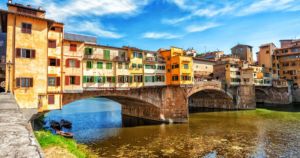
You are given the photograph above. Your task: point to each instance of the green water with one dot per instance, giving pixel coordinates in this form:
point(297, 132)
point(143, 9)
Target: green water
point(255, 133)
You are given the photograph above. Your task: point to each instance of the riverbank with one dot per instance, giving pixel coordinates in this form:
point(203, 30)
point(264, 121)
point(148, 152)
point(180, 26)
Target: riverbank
point(57, 146)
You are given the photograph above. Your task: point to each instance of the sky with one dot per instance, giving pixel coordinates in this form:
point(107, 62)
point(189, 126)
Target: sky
point(205, 25)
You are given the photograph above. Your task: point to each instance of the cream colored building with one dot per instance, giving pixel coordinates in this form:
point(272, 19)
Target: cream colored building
point(203, 69)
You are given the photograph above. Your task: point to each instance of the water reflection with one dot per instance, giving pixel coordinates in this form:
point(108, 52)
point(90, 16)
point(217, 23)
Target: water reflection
point(93, 119)
point(256, 133)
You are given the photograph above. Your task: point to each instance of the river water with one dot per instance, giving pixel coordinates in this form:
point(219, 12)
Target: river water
point(97, 122)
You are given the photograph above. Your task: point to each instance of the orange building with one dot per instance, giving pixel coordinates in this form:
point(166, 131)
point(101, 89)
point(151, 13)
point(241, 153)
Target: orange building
point(179, 68)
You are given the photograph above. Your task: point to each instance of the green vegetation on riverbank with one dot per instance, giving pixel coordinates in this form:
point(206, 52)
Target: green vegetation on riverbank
point(48, 140)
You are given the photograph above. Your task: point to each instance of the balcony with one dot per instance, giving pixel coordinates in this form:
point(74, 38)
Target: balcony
point(121, 59)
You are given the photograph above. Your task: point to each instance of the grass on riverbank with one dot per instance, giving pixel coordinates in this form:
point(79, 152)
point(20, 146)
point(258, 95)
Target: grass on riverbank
point(48, 140)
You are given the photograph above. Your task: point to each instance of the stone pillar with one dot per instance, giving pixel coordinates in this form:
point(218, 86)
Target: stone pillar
point(245, 97)
point(174, 107)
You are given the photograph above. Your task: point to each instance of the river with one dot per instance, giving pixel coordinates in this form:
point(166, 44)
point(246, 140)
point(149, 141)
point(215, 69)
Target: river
point(97, 122)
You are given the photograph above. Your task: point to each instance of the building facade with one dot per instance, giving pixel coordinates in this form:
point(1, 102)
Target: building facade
point(286, 61)
point(244, 52)
point(179, 68)
point(203, 69)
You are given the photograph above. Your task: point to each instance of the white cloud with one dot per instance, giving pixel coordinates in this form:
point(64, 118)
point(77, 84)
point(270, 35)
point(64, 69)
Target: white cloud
point(160, 35)
point(93, 7)
point(200, 28)
point(267, 5)
point(94, 29)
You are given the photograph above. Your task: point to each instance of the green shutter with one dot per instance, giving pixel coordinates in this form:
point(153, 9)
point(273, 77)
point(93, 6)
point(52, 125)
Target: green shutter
point(155, 78)
point(130, 79)
point(113, 79)
point(84, 79)
point(96, 79)
point(99, 65)
point(106, 54)
point(103, 79)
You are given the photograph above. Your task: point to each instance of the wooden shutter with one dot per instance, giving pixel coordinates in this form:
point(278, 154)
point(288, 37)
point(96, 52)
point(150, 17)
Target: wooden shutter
point(18, 82)
point(51, 99)
point(32, 54)
point(30, 82)
point(57, 81)
point(57, 62)
point(77, 63)
point(77, 80)
point(29, 28)
point(67, 63)
point(18, 52)
point(67, 80)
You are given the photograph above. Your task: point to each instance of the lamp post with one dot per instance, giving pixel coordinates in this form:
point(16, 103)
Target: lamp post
point(9, 63)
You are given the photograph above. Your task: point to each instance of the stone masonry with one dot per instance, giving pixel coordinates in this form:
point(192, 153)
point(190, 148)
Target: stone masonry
point(16, 136)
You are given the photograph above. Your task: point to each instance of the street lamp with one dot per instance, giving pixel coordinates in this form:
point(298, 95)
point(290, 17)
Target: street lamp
point(9, 64)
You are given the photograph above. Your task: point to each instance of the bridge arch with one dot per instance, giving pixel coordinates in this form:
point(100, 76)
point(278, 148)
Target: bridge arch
point(209, 95)
point(261, 95)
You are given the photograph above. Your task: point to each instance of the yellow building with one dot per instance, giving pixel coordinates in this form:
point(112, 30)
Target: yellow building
point(179, 67)
point(136, 69)
point(34, 50)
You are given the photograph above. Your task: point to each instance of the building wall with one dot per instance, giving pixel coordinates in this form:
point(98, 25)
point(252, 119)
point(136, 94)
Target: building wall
point(244, 52)
point(202, 69)
point(135, 71)
point(265, 56)
point(72, 71)
point(23, 67)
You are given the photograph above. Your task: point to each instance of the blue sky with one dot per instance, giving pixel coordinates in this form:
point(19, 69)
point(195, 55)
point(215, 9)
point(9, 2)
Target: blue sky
point(202, 24)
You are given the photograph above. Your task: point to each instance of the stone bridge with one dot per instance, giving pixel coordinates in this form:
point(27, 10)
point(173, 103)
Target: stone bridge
point(273, 95)
point(171, 103)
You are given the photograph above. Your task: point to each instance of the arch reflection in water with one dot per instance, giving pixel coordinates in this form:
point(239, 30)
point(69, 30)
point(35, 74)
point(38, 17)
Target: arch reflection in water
point(92, 119)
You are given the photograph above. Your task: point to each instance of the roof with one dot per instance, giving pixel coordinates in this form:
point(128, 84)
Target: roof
point(105, 46)
point(30, 16)
point(267, 44)
point(206, 60)
point(243, 45)
point(80, 38)
point(26, 7)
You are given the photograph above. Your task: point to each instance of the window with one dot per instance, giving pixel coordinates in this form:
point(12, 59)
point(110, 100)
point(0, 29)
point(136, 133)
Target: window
point(110, 79)
point(24, 82)
point(175, 66)
point(88, 51)
point(138, 78)
point(52, 43)
point(108, 65)
point(106, 54)
point(174, 78)
point(57, 29)
point(150, 67)
point(160, 78)
point(99, 79)
point(186, 78)
point(140, 66)
point(73, 63)
point(53, 81)
point(267, 52)
point(137, 55)
point(25, 53)
point(88, 79)
point(89, 64)
point(133, 66)
point(186, 66)
point(120, 65)
point(123, 79)
point(54, 62)
point(73, 47)
point(99, 65)
point(126, 66)
point(161, 67)
point(26, 28)
point(72, 80)
point(51, 99)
